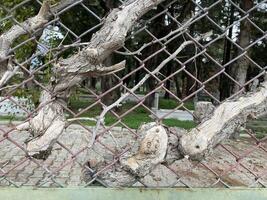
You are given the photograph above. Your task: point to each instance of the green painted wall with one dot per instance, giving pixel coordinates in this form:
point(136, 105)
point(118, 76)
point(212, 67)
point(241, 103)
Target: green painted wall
point(131, 194)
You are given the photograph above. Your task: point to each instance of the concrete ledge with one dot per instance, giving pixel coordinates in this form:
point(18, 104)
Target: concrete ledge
point(182, 115)
point(131, 194)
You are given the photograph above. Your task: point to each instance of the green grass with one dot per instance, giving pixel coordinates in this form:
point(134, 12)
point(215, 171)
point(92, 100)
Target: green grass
point(179, 123)
point(11, 118)
point(260, 135)
point(259, 127)
point(133, 119)
point(171, 104)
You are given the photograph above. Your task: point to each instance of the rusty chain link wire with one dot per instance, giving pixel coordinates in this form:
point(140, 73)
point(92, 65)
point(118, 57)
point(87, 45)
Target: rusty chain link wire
point(201, 71)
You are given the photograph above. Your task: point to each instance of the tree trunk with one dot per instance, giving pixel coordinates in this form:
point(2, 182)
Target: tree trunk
point(225, 120)
point(184, 85)
point(242, 63)
point(149, 101)
point(224, 81)
point(177, 85)
point(107, 82)
point(74, 69)
point(168, 82)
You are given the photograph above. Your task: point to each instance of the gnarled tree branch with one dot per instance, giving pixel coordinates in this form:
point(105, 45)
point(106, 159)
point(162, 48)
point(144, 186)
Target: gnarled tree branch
point(28, 26)
point(88, 62)
point(108, 39)
point(225, 120)
point(49, 123)
point(45, 127)
point(142, 81)
point(7, 38)
point(151, 148)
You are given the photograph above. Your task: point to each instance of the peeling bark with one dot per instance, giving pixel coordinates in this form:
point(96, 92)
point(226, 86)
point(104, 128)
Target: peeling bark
point(225, 120)
point(9, 73)
point(143, 80)
point(49, 122)
point(108, 39)
point(151, 151)
point(45, 127)
point(155, 146)
point(28, 26)
point(7, 38)
point(203, 110)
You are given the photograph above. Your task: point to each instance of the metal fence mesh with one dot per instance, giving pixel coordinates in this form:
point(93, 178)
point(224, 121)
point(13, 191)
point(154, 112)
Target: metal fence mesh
point(199, 72)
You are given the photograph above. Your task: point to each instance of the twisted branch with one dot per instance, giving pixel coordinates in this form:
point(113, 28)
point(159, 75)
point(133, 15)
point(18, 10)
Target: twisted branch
point(88, 62)
point(30, 25)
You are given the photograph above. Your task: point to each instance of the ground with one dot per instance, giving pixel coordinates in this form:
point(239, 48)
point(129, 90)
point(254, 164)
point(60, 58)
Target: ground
point(133, 119)
point(70, 155)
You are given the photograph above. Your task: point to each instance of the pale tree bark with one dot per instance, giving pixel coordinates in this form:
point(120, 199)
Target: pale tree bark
point(87, 63)
point(7, 38)
point(156, 146)
point(150, 151)
point(7, 70)
point(49, 122)
point(226, 119)
point(242, 64)
point(45, 127)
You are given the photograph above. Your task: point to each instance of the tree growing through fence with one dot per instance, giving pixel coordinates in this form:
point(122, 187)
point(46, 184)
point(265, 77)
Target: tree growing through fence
point(91, 61)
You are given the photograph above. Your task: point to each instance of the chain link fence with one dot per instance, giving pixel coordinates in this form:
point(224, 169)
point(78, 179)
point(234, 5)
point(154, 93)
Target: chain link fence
point(178, 55)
